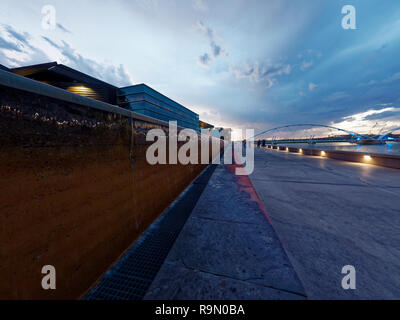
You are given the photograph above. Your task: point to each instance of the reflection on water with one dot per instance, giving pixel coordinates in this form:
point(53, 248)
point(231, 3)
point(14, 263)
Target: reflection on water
point(390, 148)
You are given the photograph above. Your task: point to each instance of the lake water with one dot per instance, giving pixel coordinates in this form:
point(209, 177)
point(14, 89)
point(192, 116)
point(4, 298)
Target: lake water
point(390, 148)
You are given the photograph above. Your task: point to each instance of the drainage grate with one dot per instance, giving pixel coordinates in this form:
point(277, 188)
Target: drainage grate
point(131, 277)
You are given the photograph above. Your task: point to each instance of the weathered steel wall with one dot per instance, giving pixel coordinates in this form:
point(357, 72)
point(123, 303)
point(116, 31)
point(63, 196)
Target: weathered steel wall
point(70, 194)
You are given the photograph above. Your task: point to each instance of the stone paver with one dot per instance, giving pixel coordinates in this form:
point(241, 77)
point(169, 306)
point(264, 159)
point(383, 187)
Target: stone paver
point(226, 250)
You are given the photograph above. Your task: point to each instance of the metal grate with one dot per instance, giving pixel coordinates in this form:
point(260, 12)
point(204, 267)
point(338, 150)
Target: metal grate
point(131, 277)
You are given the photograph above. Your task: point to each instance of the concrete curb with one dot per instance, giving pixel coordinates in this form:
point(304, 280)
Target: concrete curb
point(383, 160)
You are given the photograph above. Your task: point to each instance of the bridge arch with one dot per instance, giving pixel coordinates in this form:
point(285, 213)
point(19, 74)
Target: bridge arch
point(383, 136)
point(354, 134)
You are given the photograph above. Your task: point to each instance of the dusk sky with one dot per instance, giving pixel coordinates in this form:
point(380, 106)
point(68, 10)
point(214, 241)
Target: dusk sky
point(238, 63)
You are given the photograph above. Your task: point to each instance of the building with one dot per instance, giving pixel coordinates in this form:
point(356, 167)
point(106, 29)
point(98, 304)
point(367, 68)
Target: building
point(147, 101)
point(71, 80)
point(138, 98)
point(205, 125)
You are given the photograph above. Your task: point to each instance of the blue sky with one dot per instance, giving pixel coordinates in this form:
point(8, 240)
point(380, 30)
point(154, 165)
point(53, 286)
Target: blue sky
point(242, 64)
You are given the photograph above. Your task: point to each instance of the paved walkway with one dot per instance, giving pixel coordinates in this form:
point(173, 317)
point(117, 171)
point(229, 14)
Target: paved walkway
point(329, 214)
point(227, 249)
point(320, 215)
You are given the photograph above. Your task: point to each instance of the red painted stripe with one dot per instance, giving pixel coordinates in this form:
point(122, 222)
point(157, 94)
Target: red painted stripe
point(247, 186)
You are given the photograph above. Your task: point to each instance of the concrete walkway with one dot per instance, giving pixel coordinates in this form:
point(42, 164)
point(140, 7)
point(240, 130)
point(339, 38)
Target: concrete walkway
point(329, 214)
point(227, 250)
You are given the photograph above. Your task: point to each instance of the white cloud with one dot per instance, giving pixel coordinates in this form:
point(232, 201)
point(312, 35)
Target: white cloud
point(375, 121)
point(17, 49)
point(261, 72)
point(306, 64)
point(312, 86)
point(20, 51)
point(200, 5)
point(369, 83)
point(116, 75)
point(393, 78)
point(336, 96)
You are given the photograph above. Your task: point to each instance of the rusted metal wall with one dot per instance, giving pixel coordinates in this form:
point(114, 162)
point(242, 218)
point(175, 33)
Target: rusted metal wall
point(75, 192)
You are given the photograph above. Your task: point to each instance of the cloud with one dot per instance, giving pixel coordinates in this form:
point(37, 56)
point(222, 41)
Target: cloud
point(384, 115)
point(20, 51)
point(306, 64)
point(261, 72)
point(207, 31)
point(17, 48)
point(62, 28)
point(200, 5)
point(204, 60)
point(393, 78)
point(22, 38)
point(374, 121)
point(308, 56)
point(52, 43)
point(116, 75)
point(369, 83)
point(336, 96)
point(4, 44)
point(312, 86)
point(216, 49)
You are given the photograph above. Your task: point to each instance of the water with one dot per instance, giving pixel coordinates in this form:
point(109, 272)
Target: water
point(390, 148)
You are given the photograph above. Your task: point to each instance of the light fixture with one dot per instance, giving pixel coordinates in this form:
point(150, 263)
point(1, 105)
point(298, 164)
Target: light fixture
point(367, 158)
point(301, 150)
point(323, 153)
point(287, 149)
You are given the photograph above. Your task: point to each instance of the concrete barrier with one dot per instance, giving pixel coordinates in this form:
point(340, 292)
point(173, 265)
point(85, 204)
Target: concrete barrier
point(75, 187)
point(389, 161)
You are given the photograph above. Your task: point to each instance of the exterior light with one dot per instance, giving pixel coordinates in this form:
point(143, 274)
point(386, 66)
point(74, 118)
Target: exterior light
point(287, 149)
point(301, 150)
point(323, 153)
point(367, 158)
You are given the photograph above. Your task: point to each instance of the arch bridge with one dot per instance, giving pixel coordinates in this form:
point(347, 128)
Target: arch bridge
point(358, 137)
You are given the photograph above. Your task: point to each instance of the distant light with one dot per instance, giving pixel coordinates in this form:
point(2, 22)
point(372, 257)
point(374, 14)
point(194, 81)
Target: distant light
point(323, 153)
point(367, 158)
point(301, 150)
point(287, 149)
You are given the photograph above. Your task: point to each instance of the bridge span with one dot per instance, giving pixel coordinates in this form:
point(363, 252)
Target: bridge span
point(354, 137)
